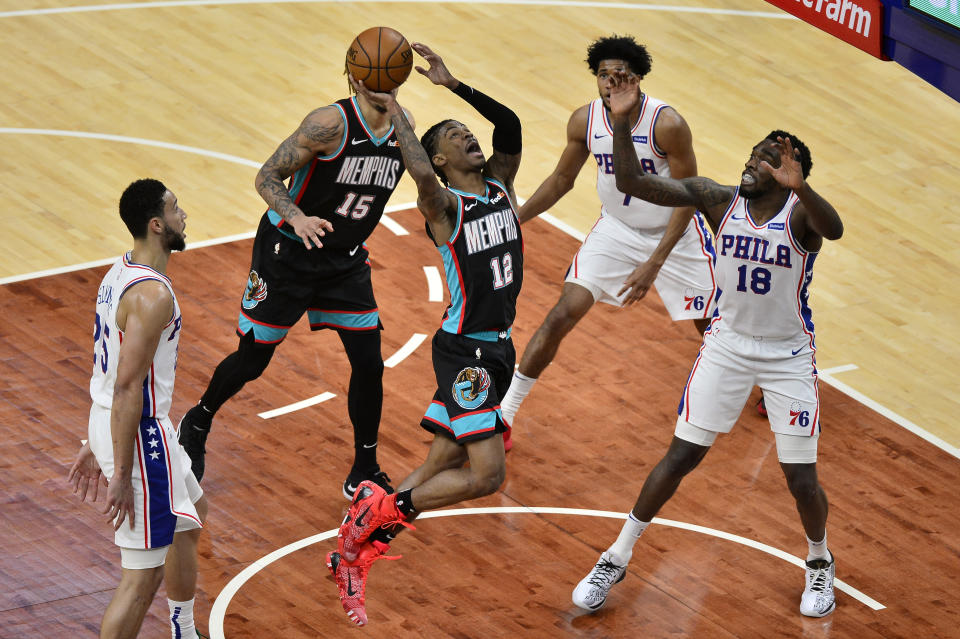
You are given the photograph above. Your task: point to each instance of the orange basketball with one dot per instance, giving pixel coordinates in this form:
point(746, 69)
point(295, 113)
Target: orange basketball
point(381, 57)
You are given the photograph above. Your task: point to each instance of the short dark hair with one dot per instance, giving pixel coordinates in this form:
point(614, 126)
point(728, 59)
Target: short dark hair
point(141, 202)
point(429, 141)
point(619, 48)
point(806, 162)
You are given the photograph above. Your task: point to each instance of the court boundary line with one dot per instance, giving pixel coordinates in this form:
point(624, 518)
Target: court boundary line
point(533, 3)
point(218, 611)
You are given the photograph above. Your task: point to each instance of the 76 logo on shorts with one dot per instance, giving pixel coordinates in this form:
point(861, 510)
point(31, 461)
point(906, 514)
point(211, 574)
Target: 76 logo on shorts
point(799, 417)
point(692, 300)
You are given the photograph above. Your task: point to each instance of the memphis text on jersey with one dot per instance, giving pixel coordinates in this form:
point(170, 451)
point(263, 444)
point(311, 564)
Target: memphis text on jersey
point(377, 170)
point(490, 230)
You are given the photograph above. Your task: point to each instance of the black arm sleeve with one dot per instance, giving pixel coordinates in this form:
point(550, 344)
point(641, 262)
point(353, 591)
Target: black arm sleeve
point(507, 136)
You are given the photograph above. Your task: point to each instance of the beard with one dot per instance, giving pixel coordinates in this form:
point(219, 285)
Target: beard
point(174, 241)
point(750, 193)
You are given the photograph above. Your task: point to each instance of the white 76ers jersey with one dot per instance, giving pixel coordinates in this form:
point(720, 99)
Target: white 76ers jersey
point(633, 212)
point(158, 385)
point(763, 273)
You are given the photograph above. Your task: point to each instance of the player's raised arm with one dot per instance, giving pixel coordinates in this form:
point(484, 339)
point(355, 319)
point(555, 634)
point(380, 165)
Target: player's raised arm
point(320, 133)
point(818, 215)
point(703, 193)
point(507, 131)
point(435, 202)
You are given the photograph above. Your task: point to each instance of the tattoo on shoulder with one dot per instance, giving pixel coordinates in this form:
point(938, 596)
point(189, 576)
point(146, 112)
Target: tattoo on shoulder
point(319, 133)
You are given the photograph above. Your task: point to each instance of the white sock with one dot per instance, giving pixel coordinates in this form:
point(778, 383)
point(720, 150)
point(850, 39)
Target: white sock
point(181, 619)
point(520, 387)
point(622, 549)
point(818, 549)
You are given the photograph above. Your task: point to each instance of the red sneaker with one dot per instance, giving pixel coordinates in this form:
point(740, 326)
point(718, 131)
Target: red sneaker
point(372, 508)
point(351, 578)
point(762, 407)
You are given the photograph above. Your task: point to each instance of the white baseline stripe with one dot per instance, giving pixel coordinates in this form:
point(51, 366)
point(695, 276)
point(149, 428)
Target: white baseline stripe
point(415, 340)
point(551, 3)
point(219, 610)
point(289, 408)
point(434, 284)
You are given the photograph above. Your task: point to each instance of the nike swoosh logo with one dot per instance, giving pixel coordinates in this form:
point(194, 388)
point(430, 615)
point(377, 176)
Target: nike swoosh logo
point(354, 251)
point(359, 520)
point(373, 445)
point(350, 591)
point(734, 217)
point(355, 141)
point(467, 207)
point(351, 488)
point(597, 137)
point(798, 350)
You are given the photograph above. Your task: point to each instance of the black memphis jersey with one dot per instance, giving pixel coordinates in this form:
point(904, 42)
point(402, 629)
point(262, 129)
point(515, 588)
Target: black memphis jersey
point(350, 187)
point(483, 263)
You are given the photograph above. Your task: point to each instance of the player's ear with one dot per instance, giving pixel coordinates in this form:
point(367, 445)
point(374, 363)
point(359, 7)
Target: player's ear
point(439, 159)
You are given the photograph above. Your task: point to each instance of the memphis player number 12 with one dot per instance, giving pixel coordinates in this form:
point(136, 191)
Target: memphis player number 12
point(502, 268)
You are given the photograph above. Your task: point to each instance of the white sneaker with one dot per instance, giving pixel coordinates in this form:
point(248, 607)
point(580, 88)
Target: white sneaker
point(817, 599)
point(591, 593)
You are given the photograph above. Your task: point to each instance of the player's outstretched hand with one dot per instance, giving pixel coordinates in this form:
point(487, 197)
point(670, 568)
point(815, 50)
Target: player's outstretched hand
point(437, 73)
point(789, 173)
point(85, 474)
point(624, 94)
point(310, 229)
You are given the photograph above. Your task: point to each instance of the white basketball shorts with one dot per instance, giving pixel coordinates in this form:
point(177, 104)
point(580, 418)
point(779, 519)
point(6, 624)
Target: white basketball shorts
point(164, 488)
point(612, 250)
point(727, 368)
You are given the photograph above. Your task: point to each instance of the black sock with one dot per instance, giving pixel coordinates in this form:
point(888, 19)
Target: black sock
point(405, 502)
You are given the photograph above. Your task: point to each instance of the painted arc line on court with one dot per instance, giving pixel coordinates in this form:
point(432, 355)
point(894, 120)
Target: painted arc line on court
point(434, 284)
point(534, 3)
point(415, 340)
point(393, 225)
point(289, 408)
point(219, 609)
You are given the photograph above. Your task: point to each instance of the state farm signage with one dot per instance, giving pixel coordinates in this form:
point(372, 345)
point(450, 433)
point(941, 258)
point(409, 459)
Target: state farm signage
point(858, 23)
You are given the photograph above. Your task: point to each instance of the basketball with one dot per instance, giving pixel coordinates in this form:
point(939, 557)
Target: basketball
point(381, 57)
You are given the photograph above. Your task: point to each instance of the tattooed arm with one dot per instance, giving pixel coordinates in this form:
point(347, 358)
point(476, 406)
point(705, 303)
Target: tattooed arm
point(320, 133)
point(437, 204)
point(705, 194)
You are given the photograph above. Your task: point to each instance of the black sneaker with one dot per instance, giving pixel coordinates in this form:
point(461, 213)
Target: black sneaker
point(192, 435)
point(355, 477)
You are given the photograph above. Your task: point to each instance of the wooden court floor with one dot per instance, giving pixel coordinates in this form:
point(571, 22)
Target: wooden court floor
point(589, 433)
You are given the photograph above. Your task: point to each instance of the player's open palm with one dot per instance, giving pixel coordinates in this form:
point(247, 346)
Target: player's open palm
point(437, 73)
point(624, 94)
point(789, 173)
point(310, 229)
point(120, 502)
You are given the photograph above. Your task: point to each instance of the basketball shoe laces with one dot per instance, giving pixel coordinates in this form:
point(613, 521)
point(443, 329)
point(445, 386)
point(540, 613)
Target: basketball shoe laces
point(818, 583)
point(605, 574)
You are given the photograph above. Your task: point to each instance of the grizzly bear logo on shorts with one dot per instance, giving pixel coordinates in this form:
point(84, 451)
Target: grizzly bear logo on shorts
point(256, 291)
point(471, 386)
